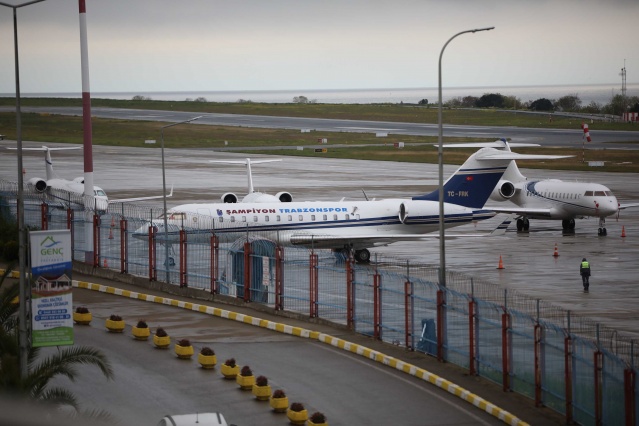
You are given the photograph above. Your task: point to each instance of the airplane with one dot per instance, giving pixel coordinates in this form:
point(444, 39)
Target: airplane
point(57, 188)
point(346, 226)
point(550, 199)
point(253, 196)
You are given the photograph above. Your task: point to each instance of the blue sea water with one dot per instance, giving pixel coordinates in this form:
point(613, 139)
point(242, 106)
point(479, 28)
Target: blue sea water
point(600, 93)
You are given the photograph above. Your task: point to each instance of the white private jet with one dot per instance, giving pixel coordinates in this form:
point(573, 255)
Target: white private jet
point(346, 225)
point(52, 184)
point(253, 196)
point(550, 199)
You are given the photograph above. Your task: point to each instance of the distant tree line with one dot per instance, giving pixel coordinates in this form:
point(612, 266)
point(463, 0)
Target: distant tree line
point(568, 103)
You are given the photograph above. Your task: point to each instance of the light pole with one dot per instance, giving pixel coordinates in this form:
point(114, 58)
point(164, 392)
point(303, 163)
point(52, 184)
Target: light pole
point(166, 227)
point(442, 244)
point(23, 333)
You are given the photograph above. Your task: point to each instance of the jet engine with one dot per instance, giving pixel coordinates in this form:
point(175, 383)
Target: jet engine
point(229, 197)
point(410, 211)
point(284, 197)
point(40, 185)
point(503, 191)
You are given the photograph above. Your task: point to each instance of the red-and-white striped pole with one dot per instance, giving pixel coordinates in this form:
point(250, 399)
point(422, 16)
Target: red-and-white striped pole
point(89, 197)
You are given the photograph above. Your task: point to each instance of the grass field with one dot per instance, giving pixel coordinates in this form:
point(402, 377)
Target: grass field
point(67, 129)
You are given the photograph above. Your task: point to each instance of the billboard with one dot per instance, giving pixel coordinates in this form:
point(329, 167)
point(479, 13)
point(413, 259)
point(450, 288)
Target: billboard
point(51, 288)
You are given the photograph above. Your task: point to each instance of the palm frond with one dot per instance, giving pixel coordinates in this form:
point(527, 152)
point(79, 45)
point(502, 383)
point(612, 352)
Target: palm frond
point(58, 396)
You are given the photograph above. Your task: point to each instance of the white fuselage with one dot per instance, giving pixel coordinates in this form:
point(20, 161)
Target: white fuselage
point(319, 224)
point(565, 200)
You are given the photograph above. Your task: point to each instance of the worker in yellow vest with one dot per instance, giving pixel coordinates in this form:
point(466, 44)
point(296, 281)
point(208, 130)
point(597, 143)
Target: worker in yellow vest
point(584, 270)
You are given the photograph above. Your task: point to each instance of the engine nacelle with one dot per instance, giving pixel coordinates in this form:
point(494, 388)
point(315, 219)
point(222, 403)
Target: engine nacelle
point(79, 180)
point(40, 185)
point(411, 211)
point(503, 191)
point(229, 197)
point(284, 197)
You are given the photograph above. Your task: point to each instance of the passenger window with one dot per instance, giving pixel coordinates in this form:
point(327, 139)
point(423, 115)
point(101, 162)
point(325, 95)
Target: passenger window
point(265, 218)
point(334, 217)
point(346, 217)
point(232, 218)
point(221, 219)
point(290, 218)
point(254, 218)
point(243, 218)
point(300, 218)
point(313, 217)
point(325, 217)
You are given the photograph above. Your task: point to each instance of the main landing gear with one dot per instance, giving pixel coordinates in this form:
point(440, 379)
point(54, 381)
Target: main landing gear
point(568, 225)
point(523, 224)
point(360, 256)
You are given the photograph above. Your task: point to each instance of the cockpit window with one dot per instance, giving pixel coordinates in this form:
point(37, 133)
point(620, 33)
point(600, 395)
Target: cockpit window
point(588, 194)
point(99, 192)
point(600, 193)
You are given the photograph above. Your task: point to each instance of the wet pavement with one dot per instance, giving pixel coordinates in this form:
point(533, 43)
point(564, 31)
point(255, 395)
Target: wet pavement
point(529, 265)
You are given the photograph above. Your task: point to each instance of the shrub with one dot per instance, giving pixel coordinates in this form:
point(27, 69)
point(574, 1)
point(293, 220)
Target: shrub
point(318, 417)
point(142, 324)
point(261, 381)
point(184, 342)
point(230, 362)
point(297, 406)
point(114, 317)
point(246, 371)
point(279, 393)
point(160, 332)
point(81, 310)
point(207, 351)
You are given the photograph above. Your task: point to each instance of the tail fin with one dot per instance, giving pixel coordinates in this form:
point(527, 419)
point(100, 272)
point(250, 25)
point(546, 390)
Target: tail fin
point(471, 185)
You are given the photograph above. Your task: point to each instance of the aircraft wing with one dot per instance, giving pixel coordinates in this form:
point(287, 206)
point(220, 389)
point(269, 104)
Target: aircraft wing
point(520, 210)
point(153, 197)
point(377, 240)
point(628, 206)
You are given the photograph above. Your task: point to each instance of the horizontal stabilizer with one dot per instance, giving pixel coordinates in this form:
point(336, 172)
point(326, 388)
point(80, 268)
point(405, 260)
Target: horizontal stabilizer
point(46, 148)
point(509, 155)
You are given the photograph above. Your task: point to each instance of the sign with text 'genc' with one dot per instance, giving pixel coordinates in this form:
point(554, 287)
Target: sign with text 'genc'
point(51, 288)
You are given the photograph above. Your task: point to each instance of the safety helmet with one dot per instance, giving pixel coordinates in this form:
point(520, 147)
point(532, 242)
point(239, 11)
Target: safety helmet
point(583, 260)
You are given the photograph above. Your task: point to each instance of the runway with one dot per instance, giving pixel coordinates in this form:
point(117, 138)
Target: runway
point(547, 137)
point(530, 267)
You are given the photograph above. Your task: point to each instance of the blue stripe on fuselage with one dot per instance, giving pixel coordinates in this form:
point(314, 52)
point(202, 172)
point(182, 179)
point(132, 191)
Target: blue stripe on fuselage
point(468, 187)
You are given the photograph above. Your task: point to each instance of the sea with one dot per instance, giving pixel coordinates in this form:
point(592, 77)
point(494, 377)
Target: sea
point(599, 93)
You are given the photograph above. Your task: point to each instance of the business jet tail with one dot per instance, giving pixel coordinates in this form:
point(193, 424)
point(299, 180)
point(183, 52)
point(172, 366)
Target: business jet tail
point(471, 185)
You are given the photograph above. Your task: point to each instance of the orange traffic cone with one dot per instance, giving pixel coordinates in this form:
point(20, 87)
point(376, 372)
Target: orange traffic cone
point(501, 263)
point(111, 233)
point(556, 253)
point(105, 264)
point(623, 231)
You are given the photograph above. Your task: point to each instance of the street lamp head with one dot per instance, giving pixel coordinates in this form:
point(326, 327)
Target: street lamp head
point(483, 29)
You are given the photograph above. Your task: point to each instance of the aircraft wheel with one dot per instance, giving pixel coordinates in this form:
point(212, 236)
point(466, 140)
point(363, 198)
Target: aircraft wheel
point(571, 224)
point(565, 224)
point(599, 232)
point(520, 225)
point(526, 224)
point(363, 256)
point(605, 231)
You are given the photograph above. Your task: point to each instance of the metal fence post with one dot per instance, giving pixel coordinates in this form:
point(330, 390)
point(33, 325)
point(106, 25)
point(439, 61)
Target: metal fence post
point(70, 227)
point(96, 240)
point(472, 342)
point(440, 325)
point(183, 259)
point(44, 211)
point(377, 305)
point(124, 247)
point(247, 272)
point(505, 350)
point(629, 383)
point(350, 288)
point(538, 339)
point(313, 284)
point(215, 263)
point(408, 315)
point(153, 272)
point(568, 377)
point(279, 278)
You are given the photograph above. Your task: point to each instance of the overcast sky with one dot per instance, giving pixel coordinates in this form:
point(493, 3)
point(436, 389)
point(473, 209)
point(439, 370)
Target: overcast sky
point(211, 45)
